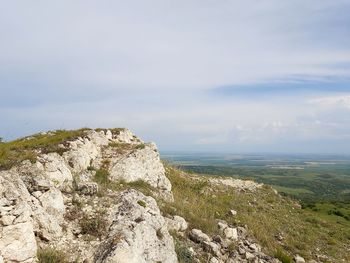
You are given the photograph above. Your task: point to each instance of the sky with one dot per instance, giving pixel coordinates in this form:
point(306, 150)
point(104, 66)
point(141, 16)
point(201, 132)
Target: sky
point(191, 75)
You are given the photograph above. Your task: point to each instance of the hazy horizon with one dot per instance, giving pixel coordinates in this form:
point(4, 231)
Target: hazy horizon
point(204, 76)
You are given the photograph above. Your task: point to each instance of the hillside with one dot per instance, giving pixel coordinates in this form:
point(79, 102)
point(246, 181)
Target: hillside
point(104, 195)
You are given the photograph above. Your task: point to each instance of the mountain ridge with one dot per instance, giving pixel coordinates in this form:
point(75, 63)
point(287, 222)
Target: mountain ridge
point(104, 195)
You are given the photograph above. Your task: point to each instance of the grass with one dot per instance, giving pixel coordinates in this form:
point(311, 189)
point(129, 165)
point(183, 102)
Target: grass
point(102, 177)
point(27, 148)
point(51, 255)
point(122, 147)
point(282, 256)
point(265, 213)
point(142, 203)
point(94, 226)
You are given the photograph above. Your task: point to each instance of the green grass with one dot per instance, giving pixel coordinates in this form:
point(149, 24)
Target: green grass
point(27, 148)
point(51, 255)
point(292, 191)
point(282, 256)
point(102, 177)
point(142, 203)
point(266, 214)
point(94, 226)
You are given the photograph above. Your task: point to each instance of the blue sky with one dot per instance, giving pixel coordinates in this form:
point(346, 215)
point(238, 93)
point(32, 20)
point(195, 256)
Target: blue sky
point(238, 76)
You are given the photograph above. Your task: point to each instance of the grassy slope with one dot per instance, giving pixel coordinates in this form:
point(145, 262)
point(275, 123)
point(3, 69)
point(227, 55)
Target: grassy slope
point(14, 152)
point(265, 213)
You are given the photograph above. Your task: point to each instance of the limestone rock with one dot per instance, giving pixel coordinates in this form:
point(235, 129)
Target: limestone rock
point(52, 202)
point(177, 223)
point(299, 259)
point(231, 233)
point(198, 236)
point(138, 233)
point(88, 188)
point(142, 164)
point(17, 243)
point(55, 170)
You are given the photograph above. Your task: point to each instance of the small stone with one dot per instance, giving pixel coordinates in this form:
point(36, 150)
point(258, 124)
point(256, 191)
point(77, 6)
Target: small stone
point(7, 220)
point(231, 233)
point(255, 247)
point(214, 260)
point(222, 225)
point(212, 248)
point(198, 236)
point(249, 256)
point(233, 212)
point(299, 259)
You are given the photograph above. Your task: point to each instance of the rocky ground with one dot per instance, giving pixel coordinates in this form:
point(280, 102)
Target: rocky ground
point(98, 199)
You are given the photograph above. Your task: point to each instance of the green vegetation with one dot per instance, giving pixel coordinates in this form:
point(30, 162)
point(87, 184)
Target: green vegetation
point(266, 215)
point(126, 147)
point(142, 203)
point(102, 177)
point(27, 148)
point(94, 226)
point(283, 257)
point(51, 255)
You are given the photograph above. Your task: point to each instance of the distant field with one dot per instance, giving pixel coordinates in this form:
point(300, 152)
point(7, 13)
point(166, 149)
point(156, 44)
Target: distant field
point(309, 178)
point(320, 183)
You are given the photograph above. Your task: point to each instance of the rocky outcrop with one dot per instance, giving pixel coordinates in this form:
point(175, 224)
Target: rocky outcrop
point(232, 246)
point(138, 233)
point(141, 164)
point(39, 202)
point(244, 185)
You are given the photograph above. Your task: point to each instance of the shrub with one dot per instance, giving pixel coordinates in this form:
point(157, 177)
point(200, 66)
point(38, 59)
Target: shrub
point(51, 255)
point(94, 226)
point(101, 177)
point(142, 203)
point(282, 256)
point(183, 254)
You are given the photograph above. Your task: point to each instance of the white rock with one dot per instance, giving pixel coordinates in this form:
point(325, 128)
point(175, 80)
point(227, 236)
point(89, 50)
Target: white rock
point(55, 170)
point(214, 260)
point(142, 164)
point(177, 223)
point(212, 248)
point(138, 233)
point(231, 233)
point(249, 256)
point(222, 225)
point(52, 202)
point(7, 220)
point(126, 136)
point(233, 212)
point(18, 243)
point(198, 236)
point(299, 259)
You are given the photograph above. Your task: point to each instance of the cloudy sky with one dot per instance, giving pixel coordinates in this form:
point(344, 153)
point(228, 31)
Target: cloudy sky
point(201, 75)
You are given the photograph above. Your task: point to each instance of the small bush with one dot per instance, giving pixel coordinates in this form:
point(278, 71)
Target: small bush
point(282, 256)
point(101, 177)
point(94, 226)
point(183, 254)
point(51, 255)
point(142, 203)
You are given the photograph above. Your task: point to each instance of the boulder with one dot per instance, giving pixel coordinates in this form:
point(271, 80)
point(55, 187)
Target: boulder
point(55, 170)
point(138, 233)
point(177, 223)
point(198, 236)
point(231, 233)
point(17, 243)
point(141, 164)
point(299, 259)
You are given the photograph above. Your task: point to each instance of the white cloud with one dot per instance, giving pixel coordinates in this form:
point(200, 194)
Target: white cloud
point(332, 101)
point(148, 65)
